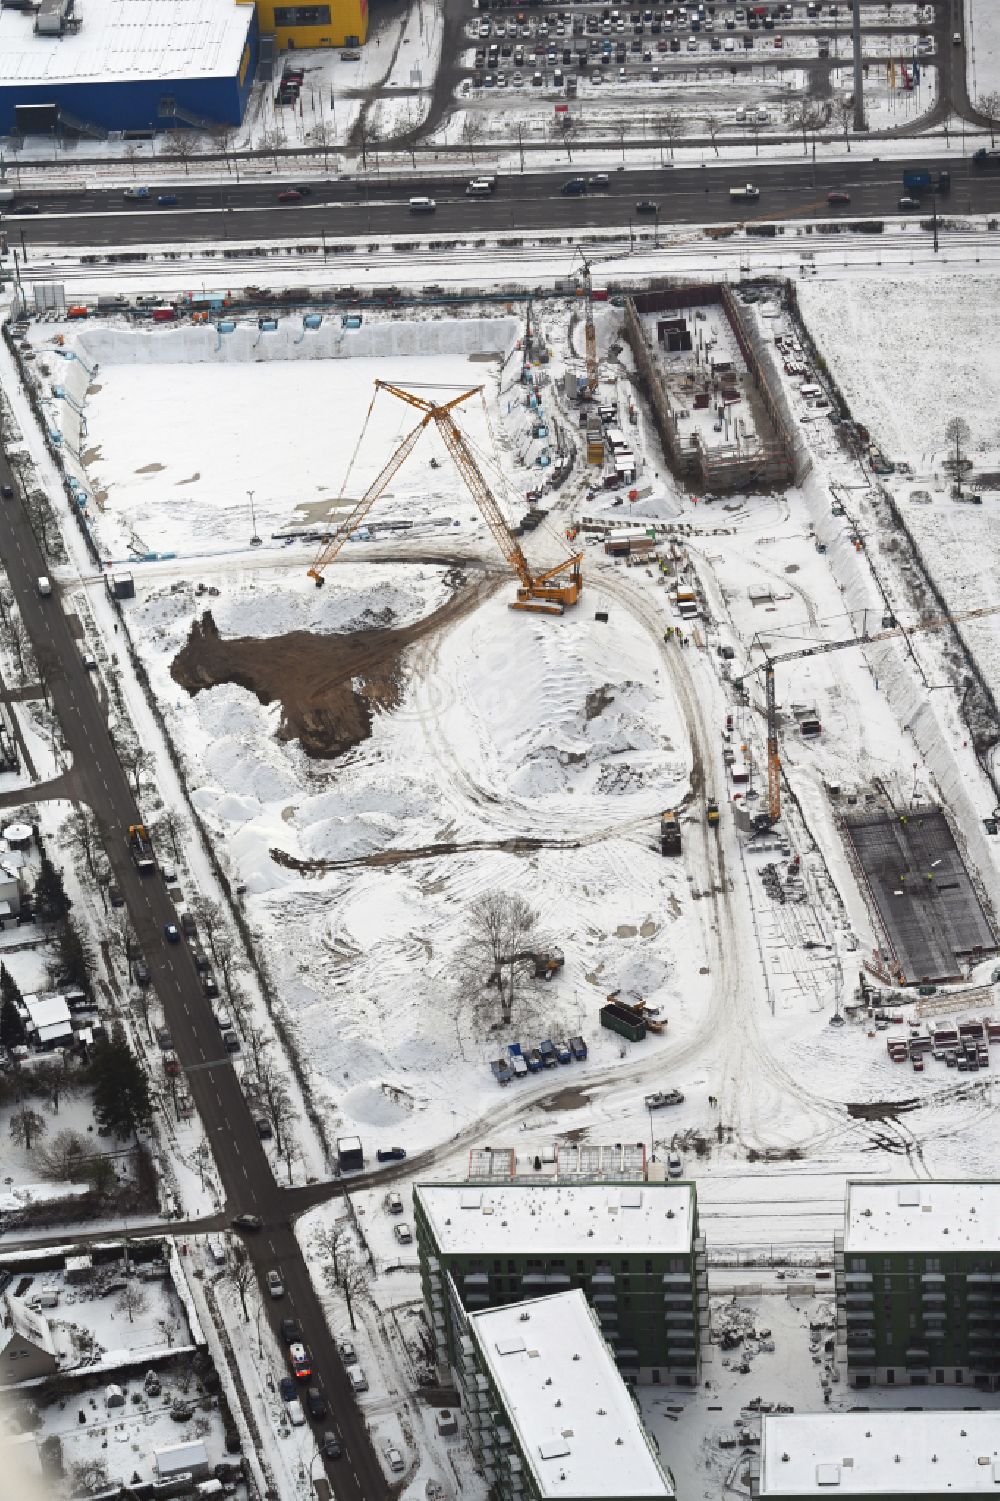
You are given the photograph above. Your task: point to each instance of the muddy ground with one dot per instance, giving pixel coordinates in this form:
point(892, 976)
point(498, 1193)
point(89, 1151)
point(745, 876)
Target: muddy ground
point(329, 686)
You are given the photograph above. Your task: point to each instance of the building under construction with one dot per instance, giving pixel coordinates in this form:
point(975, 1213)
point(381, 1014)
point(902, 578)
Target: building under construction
point(719, 414)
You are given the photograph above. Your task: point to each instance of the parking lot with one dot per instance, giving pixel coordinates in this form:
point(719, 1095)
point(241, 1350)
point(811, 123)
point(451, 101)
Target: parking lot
point(572, 53)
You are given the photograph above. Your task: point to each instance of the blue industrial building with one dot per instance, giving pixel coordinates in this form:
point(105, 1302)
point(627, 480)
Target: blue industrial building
point(125, 65)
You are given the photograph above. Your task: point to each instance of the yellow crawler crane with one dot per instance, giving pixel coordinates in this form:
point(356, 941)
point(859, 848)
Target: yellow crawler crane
point(547, 593)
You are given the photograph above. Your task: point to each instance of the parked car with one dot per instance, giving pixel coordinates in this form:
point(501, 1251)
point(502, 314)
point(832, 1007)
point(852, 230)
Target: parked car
point(391, 1154)
point(163, 1039)
point(674, 1165)
point(230, 1042)
point(358, 1379)
point(403, 1233)
point(296, 1415)
point(275, 1286)
point(115, 897)
point(394, 1203)
point(394, 1459)
point(264, 1128)
point(140, 972)
point(348, 1353)
point(171, 932)
point(288, 1389)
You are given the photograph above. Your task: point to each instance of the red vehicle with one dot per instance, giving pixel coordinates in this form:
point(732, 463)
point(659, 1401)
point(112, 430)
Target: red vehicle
point(838, 197)
point(289, 195)
point(164, 315)
point(779, 44)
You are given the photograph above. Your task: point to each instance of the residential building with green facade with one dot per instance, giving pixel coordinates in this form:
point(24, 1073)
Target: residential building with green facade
point(918, 1283)
point(919, 1456)
point(633, 1249)
point(547, 1412)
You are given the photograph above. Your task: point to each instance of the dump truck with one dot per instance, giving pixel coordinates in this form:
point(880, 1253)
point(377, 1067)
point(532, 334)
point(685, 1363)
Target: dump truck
point(747, 191)
point(670, 833)
point(141, 848)
point(518, 1066)
point(500, 1071)
point(550, 1057)
point(916, 179)
point(578, 1048)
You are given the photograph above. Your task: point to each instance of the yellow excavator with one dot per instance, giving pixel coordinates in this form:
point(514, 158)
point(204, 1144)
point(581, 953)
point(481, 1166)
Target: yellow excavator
point(547, 593)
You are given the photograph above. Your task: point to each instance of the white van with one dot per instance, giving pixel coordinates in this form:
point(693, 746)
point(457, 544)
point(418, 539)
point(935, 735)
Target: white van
point(422, 206)
point(357, 1378)
point(479, 187)
point(295, 1414)
point(44, 587)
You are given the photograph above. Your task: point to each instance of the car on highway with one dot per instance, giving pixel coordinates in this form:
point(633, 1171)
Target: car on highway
point(908, 204)
point(290, 1332)
point(171, 932)
point(289, 195)
point(7, 491)
point(140, 972)
point(391, 1154)
point(164, 1039)
point(167, 200)
point(115, 897)
point(330, 1445)
point(838, 196)
point(317, 1404)
point(289, 1391)
point(248, 1222)
point(599, 180)
point(646, 206)
point(275, 1286)
point(20, 207)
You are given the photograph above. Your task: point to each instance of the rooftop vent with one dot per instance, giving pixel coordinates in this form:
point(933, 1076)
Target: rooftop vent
point(827, 1474)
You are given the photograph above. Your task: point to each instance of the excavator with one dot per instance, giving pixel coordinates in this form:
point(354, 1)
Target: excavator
point(546, 593)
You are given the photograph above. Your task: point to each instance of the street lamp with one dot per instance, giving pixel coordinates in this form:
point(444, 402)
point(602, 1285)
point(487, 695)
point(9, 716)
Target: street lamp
point(254, 540)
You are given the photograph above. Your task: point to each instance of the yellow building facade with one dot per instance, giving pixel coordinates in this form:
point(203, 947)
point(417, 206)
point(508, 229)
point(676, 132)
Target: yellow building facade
point(331, 23)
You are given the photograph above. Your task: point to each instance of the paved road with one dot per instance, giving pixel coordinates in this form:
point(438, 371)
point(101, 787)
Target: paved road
point(376, 205)
point(243, 1166)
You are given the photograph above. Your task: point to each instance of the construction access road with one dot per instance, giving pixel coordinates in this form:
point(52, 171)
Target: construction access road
point(244, 1170)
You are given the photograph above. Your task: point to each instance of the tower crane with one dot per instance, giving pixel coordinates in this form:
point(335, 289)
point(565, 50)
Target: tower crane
point(591, 332)
point(821, 648)
point(546, 593)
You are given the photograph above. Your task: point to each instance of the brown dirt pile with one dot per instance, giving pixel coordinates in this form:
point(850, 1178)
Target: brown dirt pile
point(328, 685)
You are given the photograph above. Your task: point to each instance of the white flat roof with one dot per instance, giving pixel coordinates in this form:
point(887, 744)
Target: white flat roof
point(576, 1422)
point(47, 1010)
point(122, 40)
point(935, 1216)
point(880, 1453)
point(558, 1217)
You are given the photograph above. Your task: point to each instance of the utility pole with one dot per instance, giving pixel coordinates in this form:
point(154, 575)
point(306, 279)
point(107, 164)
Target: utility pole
point(859, 71)
point(254, 540)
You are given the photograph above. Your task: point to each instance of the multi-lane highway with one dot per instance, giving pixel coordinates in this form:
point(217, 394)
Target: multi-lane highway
point(378, 205)
point(244, 1169)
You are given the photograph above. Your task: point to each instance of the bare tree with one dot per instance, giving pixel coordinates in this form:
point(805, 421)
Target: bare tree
point(274, 1088)
point(132, 152)
point(208, 915)
point(714, 124)
point(226, 957)
point(331, 1242)
point(673, 125)
point(172, 826)
point(137, 761)
point(324, 135)
point(120, 934)
point(132, 1300)
point(182, 144)
point(26, 1127)
point(87, 1477)
point(472, 131)
point(352, 1279)
point(56, 1078)
point(82, 838)
point(843, 113)
point(65, 1156)
point(806, 116)
point(202, 1160)
point(240, 1272)
point(958, 433)
point(989, 105)
point(503, 930)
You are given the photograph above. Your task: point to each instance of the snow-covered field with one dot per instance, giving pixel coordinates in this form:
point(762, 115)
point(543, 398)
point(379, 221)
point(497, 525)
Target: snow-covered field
point(982, 48)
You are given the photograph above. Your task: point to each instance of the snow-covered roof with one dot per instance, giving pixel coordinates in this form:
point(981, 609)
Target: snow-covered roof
point(576, 1422)
point(47, 1010)
point(560, 1217)
point(29, 1324)
point(127, 39)
point(880, 1453)
point(935, 1216)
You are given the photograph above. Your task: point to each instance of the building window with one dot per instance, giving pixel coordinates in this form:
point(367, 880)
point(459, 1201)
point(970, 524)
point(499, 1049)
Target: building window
point(649, 1266)
point(887, 1284)
point(890, 1377)
point(932, 1264)
point(939, 1377)
point(909, 1263)
point(302, 15)
point(512, 1265)
point(958, 1378)
point(858, 1264)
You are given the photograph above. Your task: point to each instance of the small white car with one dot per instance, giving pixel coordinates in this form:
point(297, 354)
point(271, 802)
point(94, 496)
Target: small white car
point(394, 1459)
point(403, 1233)
point(394, 1202)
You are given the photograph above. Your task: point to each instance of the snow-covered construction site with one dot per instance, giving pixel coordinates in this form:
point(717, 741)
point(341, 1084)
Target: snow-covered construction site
point(590, 704)
point(375, 757)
